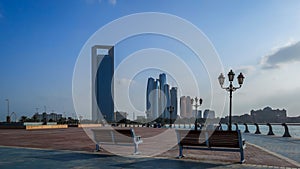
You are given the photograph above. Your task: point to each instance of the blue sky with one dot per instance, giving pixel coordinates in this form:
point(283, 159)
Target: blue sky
point(41, 39)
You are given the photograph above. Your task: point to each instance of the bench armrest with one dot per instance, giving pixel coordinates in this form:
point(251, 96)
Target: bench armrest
point(138, 138)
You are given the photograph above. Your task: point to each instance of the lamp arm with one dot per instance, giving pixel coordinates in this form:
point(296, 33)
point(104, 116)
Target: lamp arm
point(237, 87)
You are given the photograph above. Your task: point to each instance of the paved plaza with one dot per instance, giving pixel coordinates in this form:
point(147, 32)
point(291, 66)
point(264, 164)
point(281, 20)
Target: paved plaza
point(72, 148)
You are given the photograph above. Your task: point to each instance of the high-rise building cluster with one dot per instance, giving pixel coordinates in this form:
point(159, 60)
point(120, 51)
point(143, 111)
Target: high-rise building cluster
point(159, 97)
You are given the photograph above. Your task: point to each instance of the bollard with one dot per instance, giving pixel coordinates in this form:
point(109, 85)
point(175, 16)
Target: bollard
point(184, 125)
point(286, 130)
point(220, 127)
point(246, 128)
point(227, 126)
point(270, 129)
point(236, 127)
point(257, 129)
point(178, 125)
point(190, 125)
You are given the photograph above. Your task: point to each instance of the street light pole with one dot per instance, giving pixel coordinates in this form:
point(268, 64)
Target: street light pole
point(231, 89)
point(170, 109)
point(7, 106)
point(196, 106)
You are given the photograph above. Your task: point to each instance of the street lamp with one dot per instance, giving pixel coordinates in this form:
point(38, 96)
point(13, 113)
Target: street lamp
point(170, 109)
point(7, 106)
point(196, 106)
point(7, 117)
point(231, 89)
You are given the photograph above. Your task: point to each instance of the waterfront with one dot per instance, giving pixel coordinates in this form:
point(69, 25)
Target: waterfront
point(278, 129)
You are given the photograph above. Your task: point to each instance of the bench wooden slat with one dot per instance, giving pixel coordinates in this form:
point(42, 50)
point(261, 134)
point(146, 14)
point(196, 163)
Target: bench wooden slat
point(218, 141)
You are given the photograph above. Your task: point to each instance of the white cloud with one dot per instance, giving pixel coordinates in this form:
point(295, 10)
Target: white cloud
point(288, 53)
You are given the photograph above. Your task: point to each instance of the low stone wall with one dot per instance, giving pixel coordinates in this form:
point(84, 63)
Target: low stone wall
point(89, 125)
point(12, 127)
point(62, 126)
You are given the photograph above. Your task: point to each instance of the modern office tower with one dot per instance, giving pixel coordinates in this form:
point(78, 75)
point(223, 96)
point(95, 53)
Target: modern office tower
point(183, 107)
point(162, 100)
point(166, 100)
point(173, 93)
point(156, 99)
point(150, 98)
point(189, 107)
point(102, 83)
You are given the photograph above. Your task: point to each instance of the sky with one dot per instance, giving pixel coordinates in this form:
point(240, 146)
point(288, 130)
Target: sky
point(40, 41)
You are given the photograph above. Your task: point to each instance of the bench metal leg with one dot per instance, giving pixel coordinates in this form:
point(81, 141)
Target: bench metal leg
point(180, 152)
point(136, 151)
point(242, 156)
point(97, 147)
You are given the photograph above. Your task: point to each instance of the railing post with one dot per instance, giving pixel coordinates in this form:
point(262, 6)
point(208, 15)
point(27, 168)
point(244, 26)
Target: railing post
point(220, 127)
point(184, 125)
point(257, 129)
point(270, 129)
point(246, 128)
point(227, 126)
point(236, 127)
point(286, 130)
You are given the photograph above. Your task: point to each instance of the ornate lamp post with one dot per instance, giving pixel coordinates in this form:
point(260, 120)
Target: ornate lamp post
point(196, 106)
point(231, 89)
point(170, 109)
point(7, 117)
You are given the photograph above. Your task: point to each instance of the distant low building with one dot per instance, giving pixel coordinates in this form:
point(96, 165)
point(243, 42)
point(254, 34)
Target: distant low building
point(209, 114)
point(47, 117)
point(269, 115)
point(140, 118)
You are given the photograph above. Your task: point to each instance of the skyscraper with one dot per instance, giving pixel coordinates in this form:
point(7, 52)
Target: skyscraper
point(150, 98)
point(162, 98)
point(102, 82)
point(166, 98)
point(183, 107)
point(189, 107)
point(173, 93)
point(156, 99)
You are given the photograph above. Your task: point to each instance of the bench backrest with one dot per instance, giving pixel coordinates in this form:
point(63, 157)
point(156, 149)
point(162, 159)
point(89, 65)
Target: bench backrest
point(113, 135)
point(190, 137)
point(209, 138)
point(224, 139)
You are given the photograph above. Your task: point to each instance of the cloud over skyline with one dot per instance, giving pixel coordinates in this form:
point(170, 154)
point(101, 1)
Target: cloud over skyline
point(287, 54)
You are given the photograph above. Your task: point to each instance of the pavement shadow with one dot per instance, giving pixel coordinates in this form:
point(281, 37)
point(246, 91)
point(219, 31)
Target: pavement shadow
point(166, 164)
point(70, 156)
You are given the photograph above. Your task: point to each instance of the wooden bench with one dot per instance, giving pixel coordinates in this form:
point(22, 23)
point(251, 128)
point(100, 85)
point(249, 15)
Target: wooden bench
point(211, 140)
point(123, 137)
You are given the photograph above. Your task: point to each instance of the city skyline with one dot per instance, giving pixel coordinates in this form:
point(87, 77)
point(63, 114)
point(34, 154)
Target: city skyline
point(40, 42)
